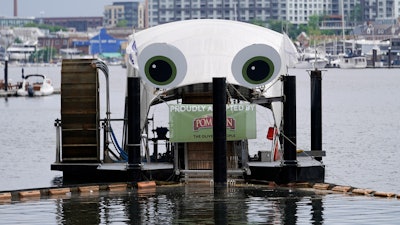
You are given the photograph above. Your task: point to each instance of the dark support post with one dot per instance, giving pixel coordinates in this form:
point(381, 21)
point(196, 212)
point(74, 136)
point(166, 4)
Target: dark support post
point(6, 75)
point(289, 129)
point(316, 112)
point(374, 57)
point(219, 131)
point(389, 57)
point(134, 135)
point(155, 150)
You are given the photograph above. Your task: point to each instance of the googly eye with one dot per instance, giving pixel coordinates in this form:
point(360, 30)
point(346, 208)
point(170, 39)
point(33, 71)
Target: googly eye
point(256, 65)
point(162, 65)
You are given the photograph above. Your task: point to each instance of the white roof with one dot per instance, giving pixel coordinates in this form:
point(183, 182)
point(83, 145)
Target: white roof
point(206, 48)
point(209, 46)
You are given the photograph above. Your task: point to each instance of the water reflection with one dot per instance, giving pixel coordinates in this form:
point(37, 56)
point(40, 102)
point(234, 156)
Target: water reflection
point(192, 205)
point(202, 205)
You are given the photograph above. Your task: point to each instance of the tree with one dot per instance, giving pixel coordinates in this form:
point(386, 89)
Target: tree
point(46, 27)
point(17, 40)
point(356, 14)
point(258, 23)
point(43, 55)
point(122, 23)
point(276, 25)
point(313, 25)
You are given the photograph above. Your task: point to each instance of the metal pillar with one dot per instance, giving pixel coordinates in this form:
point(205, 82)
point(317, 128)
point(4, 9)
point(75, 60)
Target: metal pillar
point(219, 131)
point(316, 112)
point(134, 135)
point(289, 130)
point(374, 57)
point(6, 76)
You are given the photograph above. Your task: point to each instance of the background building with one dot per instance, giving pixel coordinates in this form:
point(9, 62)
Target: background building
point(127, 12)
point(14, 22)
point(103, 43)
point(244, 10)
point(294, 11)
point(78, 23)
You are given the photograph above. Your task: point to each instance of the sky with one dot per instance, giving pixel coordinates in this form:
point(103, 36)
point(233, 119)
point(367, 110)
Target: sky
point(55, 8)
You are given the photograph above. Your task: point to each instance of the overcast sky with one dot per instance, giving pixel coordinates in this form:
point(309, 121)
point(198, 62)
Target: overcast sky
point(55, 8)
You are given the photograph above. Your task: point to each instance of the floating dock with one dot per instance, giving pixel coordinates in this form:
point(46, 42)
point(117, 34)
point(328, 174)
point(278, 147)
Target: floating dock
point(254, 74)
point(79, 143)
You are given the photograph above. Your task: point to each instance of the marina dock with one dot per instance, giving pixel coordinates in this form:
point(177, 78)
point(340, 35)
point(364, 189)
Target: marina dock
point(13, 92)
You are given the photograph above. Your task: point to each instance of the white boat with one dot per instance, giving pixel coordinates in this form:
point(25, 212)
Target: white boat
point(40, 86)
point(353, 62)
point(312, 63)
point(350, 60)
point(311, 60)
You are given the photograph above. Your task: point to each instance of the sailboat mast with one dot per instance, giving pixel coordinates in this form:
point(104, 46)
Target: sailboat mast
point(343, 23)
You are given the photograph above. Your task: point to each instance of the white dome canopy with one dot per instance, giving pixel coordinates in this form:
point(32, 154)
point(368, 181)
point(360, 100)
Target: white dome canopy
point(195, 51)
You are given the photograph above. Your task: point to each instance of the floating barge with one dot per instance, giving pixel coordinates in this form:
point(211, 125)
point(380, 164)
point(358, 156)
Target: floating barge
point(213, 74)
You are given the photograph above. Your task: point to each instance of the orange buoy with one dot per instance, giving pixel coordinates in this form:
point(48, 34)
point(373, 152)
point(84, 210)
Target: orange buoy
point(361, 191)
point(59, 191)
point(84, 189)
point(384, 194)
point(5, 196)
point(321, 186)
point(146, 184)
point(117, 187)
point(28, 194)
point(341, 188)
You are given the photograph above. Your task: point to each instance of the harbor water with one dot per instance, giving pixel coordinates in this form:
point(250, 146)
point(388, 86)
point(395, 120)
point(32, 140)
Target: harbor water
point(201, 205)
point(360, 136)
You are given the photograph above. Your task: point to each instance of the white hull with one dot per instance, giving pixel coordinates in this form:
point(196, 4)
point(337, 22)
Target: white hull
point(42, 92)
point(311, 64)
point(36, 89)
point(311, 59)
point(358, 62)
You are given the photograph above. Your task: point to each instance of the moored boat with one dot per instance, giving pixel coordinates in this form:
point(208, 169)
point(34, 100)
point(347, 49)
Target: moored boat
point(40, 85)
point(311, 59)
point(353, 62)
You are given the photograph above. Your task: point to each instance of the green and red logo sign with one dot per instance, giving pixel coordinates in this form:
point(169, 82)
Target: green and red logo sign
point(194, 123)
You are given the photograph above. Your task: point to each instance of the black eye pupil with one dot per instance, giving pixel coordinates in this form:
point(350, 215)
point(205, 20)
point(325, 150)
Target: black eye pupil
point(257, 70)
point(160, 71)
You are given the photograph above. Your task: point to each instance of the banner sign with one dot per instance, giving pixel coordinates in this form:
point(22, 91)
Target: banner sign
point(194, 122)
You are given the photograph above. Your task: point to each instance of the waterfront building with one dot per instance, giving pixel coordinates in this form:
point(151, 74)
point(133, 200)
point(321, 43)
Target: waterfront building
point(130, 12)
point(260, 11)
point(20, 52)
point(294, 11)
point(14, 21)
point(113, 14)
point(381, 9)
point(82, 24)
point(103, 43)
point(54, 42)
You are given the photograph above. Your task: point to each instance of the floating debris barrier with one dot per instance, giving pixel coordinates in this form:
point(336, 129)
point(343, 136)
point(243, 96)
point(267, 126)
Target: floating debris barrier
point(146, 184)
point(5, 196)
point(59, 191)
point(29, 194)
point(144, 187)
point(117, 187)
point(89, 189)
point(361, 191)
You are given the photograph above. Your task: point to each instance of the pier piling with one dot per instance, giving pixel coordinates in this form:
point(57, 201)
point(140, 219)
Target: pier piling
point(316, 112)
point(219, 131)
point(289, 130)
point(6, 75)
point(134, 128)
